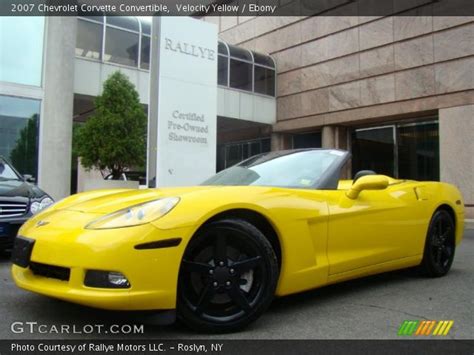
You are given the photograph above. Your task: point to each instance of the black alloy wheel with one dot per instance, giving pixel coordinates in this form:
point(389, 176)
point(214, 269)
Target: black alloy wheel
point(440, 245)
point(228, 277)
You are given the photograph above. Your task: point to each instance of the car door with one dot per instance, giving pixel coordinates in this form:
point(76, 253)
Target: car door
point(376, 227)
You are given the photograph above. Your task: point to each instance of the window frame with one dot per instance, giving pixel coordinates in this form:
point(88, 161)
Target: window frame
point(252, 62)
point(104, 23)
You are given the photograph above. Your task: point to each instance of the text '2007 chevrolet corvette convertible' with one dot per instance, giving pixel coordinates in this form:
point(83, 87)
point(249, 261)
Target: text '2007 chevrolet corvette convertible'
point(275, 224)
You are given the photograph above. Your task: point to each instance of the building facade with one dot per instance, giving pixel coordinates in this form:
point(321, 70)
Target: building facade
point(398, 91)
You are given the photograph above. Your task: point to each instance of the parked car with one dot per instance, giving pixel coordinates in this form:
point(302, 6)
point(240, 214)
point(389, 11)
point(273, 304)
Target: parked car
point(19, 200)
point(216, 254)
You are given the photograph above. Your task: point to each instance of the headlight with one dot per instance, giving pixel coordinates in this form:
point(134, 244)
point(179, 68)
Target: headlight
point(41, 205)
point(135, 215)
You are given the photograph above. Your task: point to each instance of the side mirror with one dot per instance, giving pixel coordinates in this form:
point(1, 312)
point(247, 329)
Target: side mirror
point(29, 178)
point(369, 182)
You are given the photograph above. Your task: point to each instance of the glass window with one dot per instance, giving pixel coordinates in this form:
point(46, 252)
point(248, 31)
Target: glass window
point(121, 47)
point(240, 53)
point(146, 26)
point(414, 154)
point(301, 169)
point(418, 151)
point(240, 75)
point(264, 81)
point(21, 49)
point(89, 39)
point(145, 55)
point(98, 17)
point(307, 140)
point(263, 60)
point(19, 121)
point(222, 48)
point(130, 23)
point(233, 153)
point(374, 149)
point(222, 70)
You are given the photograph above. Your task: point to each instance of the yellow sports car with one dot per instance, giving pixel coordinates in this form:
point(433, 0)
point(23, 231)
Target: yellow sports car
point(217, 254)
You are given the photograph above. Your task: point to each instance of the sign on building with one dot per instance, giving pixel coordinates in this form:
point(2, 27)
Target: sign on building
point(183, 102)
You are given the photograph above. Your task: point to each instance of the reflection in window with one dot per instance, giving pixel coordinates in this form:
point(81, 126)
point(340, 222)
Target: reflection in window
point(414, 154)
point(89, 40)
point(19, 120)
point(263, 60)
point(123, 40)
point(145, 54)
point(21, 49)
point(240, 53)
point(373, 149)
point(222, 70)
point(121, 47)
point(418, 151)
point(240, 75)
point(130, 23)
point(241, 69)
point(264, 81)
point(233, 153)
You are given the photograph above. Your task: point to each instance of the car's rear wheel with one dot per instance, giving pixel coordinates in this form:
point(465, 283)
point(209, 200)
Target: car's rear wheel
point(439, 247)
point(227, 278)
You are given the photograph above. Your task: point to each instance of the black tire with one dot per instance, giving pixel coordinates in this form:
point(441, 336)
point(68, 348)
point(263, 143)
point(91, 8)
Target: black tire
point(439, 246)
point(227, 278)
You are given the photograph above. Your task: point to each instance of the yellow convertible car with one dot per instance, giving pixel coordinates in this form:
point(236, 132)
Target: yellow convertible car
point(217, 254)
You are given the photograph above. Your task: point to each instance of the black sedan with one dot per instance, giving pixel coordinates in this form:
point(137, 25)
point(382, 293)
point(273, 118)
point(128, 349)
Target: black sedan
point(19, 200)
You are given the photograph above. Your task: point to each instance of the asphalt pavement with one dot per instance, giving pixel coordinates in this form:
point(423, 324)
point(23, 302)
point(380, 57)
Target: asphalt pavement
point(368, 308)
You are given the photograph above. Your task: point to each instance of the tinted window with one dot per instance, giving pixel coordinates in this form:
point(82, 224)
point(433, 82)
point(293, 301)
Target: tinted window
point(145, 55)
point(240, 75)
point(121, 47)
point(307, 140)
point(129, 23)
point(264, 81)
point(300, 169)
point(222, 70)
point(21, 49)
point(6, 172)
point(19, 121)
point(89, 40)
point(418, 151)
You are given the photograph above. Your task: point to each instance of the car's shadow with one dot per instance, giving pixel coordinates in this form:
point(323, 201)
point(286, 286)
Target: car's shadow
point(55, 312)
point(5, 256)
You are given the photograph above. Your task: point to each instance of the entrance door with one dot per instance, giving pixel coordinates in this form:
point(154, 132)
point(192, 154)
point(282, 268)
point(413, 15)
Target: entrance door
point(375, 149)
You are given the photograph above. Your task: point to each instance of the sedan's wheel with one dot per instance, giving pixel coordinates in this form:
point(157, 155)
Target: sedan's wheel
point(227, 278)
point(439, 248)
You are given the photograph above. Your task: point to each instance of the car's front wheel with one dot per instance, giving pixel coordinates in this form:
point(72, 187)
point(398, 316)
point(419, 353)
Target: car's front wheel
point(439, 246)
point(227, 278)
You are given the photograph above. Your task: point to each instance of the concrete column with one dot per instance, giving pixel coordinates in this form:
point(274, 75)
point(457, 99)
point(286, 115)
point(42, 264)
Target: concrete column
point(328, 137)
point(456, 149)
point(56, 117)
point(280, 141)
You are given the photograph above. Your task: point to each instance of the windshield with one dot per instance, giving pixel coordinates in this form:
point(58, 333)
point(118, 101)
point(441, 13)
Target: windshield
point(295, 169)
point(6, 172)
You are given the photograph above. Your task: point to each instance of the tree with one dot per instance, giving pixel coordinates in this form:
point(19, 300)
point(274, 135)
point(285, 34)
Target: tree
point(23, 155)
point(114, 138)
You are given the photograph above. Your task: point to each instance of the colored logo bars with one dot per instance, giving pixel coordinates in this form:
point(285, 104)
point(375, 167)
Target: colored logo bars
point(426, 327)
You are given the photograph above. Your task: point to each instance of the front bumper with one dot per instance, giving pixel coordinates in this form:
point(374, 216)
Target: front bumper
point(152, 273)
